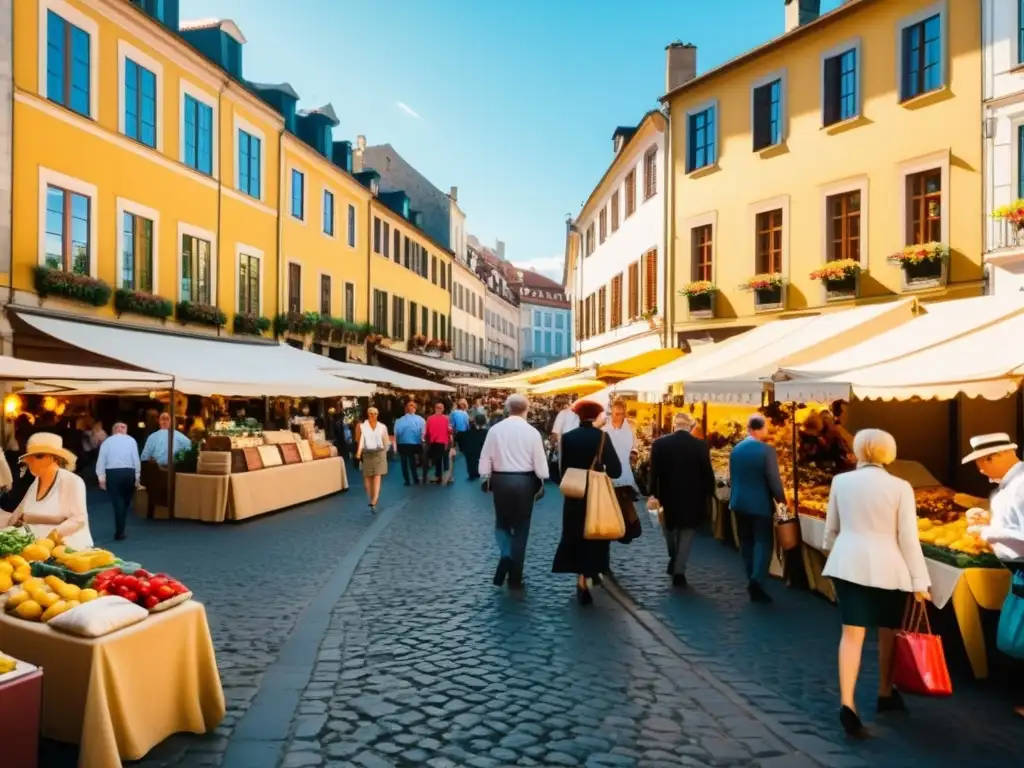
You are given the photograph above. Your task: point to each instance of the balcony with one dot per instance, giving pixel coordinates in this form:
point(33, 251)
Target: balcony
point(1005, 240)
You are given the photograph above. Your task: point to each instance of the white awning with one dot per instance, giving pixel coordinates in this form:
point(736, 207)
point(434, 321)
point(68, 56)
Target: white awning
point(57, 376)
point(936, 324)
point(441, 365)
point(202, 366)
point(743, 379)
point(378, 375)
point(586, 381)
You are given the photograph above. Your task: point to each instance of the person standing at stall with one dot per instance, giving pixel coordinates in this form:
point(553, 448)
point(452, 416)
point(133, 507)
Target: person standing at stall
point(118, 469)
point(409, 432)
point(155, 448)
point(438, 436)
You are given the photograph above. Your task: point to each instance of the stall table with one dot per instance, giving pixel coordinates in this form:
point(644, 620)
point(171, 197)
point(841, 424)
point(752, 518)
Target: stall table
point(120, 695)
point(201, 497)
point(274, 488)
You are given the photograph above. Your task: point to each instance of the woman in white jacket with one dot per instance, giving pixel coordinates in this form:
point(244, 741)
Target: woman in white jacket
point(875, 562)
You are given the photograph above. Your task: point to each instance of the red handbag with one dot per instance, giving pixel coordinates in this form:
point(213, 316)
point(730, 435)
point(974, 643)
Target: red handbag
point(919, 662)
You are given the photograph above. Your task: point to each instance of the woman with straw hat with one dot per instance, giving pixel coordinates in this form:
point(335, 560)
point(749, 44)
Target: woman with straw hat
point(56, 498)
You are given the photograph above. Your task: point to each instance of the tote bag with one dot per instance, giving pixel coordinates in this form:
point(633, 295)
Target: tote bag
point(1010, 636)
point(604, 520)
point(919, 665)
point(574, 480)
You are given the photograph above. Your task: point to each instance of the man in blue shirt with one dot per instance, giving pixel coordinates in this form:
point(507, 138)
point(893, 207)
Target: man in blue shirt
point(117, 469)
point(156, 443)
point(460, 422)
point(409, 435)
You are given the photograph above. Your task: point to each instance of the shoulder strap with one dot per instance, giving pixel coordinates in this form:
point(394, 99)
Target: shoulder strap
point(600, 451)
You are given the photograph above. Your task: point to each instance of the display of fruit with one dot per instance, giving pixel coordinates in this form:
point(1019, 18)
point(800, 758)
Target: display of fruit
point(13, 540)
point(7, 664)
point(140, 586)
point(953, 535)
point(42, 599)
point(84, 560)
point(14, 569)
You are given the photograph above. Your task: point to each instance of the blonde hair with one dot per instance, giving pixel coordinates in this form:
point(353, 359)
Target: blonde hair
point(371, 411)
point(874, 446)
point(683, 422)
point(618, 403)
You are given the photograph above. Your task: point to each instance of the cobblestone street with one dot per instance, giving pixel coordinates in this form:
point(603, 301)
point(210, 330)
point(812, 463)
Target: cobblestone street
point(347, 639)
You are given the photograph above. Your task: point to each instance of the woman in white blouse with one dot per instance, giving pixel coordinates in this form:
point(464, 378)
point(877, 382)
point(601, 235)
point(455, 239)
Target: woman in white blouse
point(56, 498)
point(875, 562)
point(372, 449)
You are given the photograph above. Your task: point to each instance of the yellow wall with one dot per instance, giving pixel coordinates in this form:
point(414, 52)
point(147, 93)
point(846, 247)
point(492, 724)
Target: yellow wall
point(875, 149)
point(396, 280)
point(305, 241)
point(95, 153)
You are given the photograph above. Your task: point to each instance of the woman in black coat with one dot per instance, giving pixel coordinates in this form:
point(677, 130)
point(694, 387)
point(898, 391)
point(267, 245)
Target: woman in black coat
point(584, 557)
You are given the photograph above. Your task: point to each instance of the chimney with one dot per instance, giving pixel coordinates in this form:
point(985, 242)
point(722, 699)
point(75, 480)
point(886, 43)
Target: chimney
point(499, 246)
point(357, 154)
point(454, 194)
point(800, 12)
point(680, 64)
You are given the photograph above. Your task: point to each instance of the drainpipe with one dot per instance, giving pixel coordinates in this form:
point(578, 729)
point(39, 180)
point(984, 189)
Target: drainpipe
point(10, 230)
point(280, 220)
point(668, 231)
point(369, 265)
point(220, 194)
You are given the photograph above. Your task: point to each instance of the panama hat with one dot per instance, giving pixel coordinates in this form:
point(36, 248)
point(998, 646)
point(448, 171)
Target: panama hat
point(48, 444)
point(985, 445)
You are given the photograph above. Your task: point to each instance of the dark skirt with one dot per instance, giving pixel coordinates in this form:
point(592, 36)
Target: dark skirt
point(870, 607)
point(576, 554)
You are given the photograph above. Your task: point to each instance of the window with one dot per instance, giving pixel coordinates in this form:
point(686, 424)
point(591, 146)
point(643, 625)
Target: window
point(651, 173)
point(325, 295)
point(630, 192)
point(408, 253)
point(137, 255)
point(433, 269)
point(433, 324)
point(768, 115)
point(398, 309)
point(537, 318)
point(68, 64)
point(921, 57)
point(294, 287)
point(1020, 160)
point(328, 213)
point(558, 344)
point(380, 311)
point(444, 276)
point(579, 320)
point(248, 284)
point(350, 303)
point(634, 290)
point(139, 103)
point(249, 170)
point(560, 321)
point(840, 88)
point(376, 235)
point(198, 128)
point(68, 222)
point(413, 314)
point(385, 240)
point(547, 342)
point(700, 139)
point(769, 241)
point(615, 210)
point(616, 318)
point(298, 194)
point(1020, 31)
point(196, 270)
point(351, 226)
point(423, 320)
point(397, 249)
point(843, 226)
point(444, 328)
point(924, 222)
point(537, 340)
point(589, 241)
point(602, 310)
point(702, 245)
point(651, 280)
point(603, 227)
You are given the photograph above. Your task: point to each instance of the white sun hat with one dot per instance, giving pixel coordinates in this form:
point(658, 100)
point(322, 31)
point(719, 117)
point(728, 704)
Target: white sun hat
point(985, 445)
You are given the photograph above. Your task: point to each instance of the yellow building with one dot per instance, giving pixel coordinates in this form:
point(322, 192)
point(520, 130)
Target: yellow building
point(849, 137)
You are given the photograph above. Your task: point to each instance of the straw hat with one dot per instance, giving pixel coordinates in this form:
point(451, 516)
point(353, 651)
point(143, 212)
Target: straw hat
point(48, 444)
point(985, 445)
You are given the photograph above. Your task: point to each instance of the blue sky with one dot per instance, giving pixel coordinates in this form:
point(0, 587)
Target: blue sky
point(513, 102)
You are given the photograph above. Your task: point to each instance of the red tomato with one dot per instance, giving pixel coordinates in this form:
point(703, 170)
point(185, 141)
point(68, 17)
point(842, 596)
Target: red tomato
point(158, 581)
point(180, 589)
point(151, 601)
point(131, 582)
point(142, 573)
point(165, 592)
point(130, 595)
point(144, 587)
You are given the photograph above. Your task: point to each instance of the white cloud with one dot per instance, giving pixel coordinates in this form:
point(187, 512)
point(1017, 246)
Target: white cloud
point(550, 266)
point(408, 110)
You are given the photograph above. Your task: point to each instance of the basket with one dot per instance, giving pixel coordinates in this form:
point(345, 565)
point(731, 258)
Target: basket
point(166, 605)
point(43, 569)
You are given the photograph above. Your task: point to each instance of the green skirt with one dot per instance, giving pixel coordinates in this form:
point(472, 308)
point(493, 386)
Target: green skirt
point(870, 607)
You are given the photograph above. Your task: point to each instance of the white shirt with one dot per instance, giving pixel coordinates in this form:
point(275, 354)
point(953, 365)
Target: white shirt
point(118, 452)
point(623, 440)
point(565, 421)
point(62, 508)
point(374, 438)
point(513, 445)
point(1005, 531)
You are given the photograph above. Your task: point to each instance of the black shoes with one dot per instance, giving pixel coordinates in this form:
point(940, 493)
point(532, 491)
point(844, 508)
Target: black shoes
point(120, 536)
point(891, 703)
point(852, 725)
point(504, 564)
point(671, 566)
point(515, 583)
point(757, 593)
point(679, 580)
point(583, 596)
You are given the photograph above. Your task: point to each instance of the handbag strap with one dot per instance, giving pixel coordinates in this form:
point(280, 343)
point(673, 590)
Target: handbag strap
point(600, 450)
point(915, 617)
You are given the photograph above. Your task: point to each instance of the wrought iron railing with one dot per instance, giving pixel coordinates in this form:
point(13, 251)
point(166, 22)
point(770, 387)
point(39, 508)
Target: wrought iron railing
point(1004, 235)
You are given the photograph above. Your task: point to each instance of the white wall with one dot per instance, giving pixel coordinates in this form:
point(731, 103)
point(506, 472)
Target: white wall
point(462, 317)
point(458, 231)
point(496, 339)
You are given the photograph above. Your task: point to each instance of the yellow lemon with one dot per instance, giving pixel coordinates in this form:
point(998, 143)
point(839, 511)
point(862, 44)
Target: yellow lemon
point(73, 604)
point(21, 575)
point(87, 594)
point(923, 524)
point(6, 582)
point(17, 561)
point(53, 583)
point(35, 552)
point(69, 591)
point(59, 551)
point(6, 567)
point(47, 544)
point(16, 599)
point(30, 610)
point(45, 598)
point(54, 610)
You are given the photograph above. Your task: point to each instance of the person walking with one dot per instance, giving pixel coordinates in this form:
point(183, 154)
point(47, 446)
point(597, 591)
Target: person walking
point(875, 563)
point(473, 444)
point(438, 437)
point(623, 438)
point(372, 452)
point(582, 448)
point(118, 469)
point(565, 420)
point(513, 459)
point(756, 488)
point(409, 432)
point(461, 422)
point(682, 484)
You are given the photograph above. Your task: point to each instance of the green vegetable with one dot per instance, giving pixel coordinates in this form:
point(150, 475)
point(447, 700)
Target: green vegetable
point(13, 540)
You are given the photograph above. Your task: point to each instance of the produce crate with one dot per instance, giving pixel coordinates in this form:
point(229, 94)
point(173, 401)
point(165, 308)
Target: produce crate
point(44, 569)
point(960, 559)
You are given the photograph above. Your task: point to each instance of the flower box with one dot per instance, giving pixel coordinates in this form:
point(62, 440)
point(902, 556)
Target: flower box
point(253, 325)
point(140, 303)
point(1012, 213)
point(923, 266)
point(71, 285)
point(200, 314)
point(841, 279)
point(700, 296)
point(769, 291)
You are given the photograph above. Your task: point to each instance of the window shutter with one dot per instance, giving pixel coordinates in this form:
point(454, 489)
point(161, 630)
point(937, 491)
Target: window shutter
point(579, 320)
point(832, 95)
point(602, 309)
point(651, 280)
point(762, 116)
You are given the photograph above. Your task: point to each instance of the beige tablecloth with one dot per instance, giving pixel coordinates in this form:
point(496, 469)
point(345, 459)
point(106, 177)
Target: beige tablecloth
point(201, 497)
point(274, 488)
point(120, 695)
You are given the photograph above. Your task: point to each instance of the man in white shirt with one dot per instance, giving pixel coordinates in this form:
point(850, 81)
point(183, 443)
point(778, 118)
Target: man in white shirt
point(513, 458)
point(1002, 527)
point(564, 421)
point(117, 469)
point(623, 439)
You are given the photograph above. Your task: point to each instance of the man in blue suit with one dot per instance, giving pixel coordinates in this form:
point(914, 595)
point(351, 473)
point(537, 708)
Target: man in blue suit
point(756, 487)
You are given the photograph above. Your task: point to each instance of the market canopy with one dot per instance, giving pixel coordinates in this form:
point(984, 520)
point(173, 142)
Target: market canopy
point(440, 365)
point(383, 376)
point(936, 324)
point(744, 378)
point(199, 366)
point(58, 376)
point(579, 383)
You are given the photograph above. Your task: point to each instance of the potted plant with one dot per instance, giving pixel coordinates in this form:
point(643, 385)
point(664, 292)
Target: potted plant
point(700, 295)
point(651, 316)
point(445, 347)
point(924, 265)
point(839, 278)
point(418, 341)
point(199, 314)
point(141, 303)
point(768, 290)
point(1012, 213)
point(70, 285)
point(251, 324)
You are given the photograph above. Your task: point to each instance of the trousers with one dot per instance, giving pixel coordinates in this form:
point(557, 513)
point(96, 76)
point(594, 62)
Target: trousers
point(680, 543)
point(121, 488)
point(409, 454)
point(757, 539)
point(513, 509)
point(439, 458)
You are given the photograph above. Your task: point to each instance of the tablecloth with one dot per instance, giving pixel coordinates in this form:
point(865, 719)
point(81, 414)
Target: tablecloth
point(120, 695)
point(201, 497)
point(274, 488)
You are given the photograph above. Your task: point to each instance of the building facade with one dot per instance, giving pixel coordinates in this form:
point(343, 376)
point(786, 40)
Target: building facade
point(849, 138)
point(501, 307)
point(1003, 50)
point(615, 254)
point(545, 320)
point(468, 313)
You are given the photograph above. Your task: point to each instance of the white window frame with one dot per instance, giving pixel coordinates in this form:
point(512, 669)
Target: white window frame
point(137, 209)
point(242, 249)
point(355, 300)
point(763, 206)
point(319, 281)
point(185, 228)
point(940, 7)
point(334, 198)
point(1016, 122)
point(185, 88)
point(852, 184)
point(694, 110)
point(352, 238)
point(241, 124)
point(89, 25)
point(782, 76)
point(849, 45)
point(696, 222)
point(127, 51)
point(288, 283)
point(84, 188)
point(292, 170)
point(940, 160)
